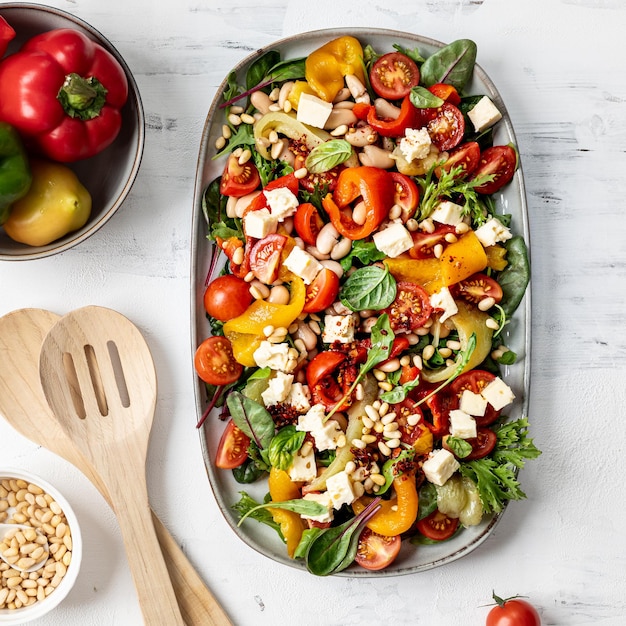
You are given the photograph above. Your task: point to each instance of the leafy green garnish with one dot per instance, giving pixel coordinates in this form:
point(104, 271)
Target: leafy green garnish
point(328, 155)
point(514, 278)
point(369, 287)
point(243, 137)
point(460, 447)
point(253, 419)
point(284, 445)
point(453, 64)
point(365, 252)
point(421, 98)
point(249, 507)
point(300, 506)
point(411, 53)
point(390, 468)
point(495, 476)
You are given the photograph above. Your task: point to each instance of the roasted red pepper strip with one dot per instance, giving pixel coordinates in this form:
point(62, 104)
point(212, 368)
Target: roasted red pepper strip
point(375, 188)
point(64, 93)
point(409, 118)
point(7, 34)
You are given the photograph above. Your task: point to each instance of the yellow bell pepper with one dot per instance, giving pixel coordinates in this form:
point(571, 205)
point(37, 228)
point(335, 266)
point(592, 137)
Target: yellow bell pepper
point(326, 67)
point(397, 515)
point(469, 320)
point(57, 203)
point(246, 331)
point(458, 261)
point(424, 443)
point(291, 524)
point(299, 87)
point(496, 257)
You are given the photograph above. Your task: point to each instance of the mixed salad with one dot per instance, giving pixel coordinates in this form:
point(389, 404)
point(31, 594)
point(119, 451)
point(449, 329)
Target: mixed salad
point(362, 280)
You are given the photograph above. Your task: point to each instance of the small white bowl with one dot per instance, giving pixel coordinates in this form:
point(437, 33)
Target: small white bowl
point(109, 175)
point(14, 617)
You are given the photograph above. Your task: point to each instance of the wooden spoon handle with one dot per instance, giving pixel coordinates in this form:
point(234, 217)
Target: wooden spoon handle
point(197, 604)
point(147, 565)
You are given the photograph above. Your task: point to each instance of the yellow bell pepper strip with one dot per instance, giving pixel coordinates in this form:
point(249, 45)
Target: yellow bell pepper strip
point(469, 320)
point(397, 515)
point(299, 87)
point(376, 189)
point(57, 203)
point(326, 67)
point(291, 524)
point(496, 257)
point(286, 124)
point(458, 261)
point(246, 331)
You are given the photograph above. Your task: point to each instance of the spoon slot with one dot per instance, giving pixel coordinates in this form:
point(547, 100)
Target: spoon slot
point(96, 379)
point(118, 372)
point(74, 386)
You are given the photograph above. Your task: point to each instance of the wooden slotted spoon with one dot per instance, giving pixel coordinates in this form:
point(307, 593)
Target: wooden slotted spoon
point(24, 407)
point(98, 376)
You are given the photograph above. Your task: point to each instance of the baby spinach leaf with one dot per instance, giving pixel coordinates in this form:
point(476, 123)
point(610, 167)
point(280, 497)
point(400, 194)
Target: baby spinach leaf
point(427, 500)
point(261, 67)
point(453, 64)
point(328, 155)
point(252, 418)
point(248, 472)
point(284, 446)
point(334, 548)
point(514, 278)
point(308, 535)
point(370, 287)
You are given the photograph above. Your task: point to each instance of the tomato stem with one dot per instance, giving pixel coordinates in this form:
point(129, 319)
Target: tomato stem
point(214, 399)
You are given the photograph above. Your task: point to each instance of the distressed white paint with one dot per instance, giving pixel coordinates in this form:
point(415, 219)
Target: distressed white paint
point(559, 67)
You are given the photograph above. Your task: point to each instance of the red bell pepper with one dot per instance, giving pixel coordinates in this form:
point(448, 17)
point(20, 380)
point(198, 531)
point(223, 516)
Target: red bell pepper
point(376, 189)
point(7, 34)
point(409, 118)
point(64, 93)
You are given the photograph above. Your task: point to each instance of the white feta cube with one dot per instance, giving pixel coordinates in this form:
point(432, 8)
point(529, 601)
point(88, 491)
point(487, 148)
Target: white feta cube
point(393, 240)
point(472, 403)
point(276, 356)
point(312, 420)
point(278, 388)
point(448, 213)
point(415, 144)
point(324, 500)
point(327, 437)
point(498, 394)
point(303, 264)
point(439, 466)
point(492, 232)
point(442, 300)
point(313, 110)
point(462, 425)
point(303, 468)
point(299, 397)
point(259, 224)
point(282, 202)
point(339, 488)
point(484, 114)
point(338, 328)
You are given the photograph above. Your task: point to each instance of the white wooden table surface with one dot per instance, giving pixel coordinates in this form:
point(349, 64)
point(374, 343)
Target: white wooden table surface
point(559, 65)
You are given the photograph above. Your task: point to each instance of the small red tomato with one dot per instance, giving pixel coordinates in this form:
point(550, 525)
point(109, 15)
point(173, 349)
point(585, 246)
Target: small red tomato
point(227, 297)
point(513, 612)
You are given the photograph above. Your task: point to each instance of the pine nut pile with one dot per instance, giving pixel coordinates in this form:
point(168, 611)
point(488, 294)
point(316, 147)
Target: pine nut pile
point(22, 502)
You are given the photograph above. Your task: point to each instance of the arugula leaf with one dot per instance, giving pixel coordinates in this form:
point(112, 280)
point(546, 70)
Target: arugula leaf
point(496, 476)
point(242, 137)
point(412, 54)
point(369, 287)
point(399, 392)
point(365, 252)
point(300, 506)
point(284, 446)
point(248, 506)
point(328, 155)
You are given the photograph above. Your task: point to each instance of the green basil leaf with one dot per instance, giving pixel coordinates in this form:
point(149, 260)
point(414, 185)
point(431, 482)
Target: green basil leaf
point(370, 287)
point(453, 64)
point(514, 278)
point(421, 98)
point(460, 447)
point(252, 418)
point(328, 155)
point(284, 446)
point(365, 252)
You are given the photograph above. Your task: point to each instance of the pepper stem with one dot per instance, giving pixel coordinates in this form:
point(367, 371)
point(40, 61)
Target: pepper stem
point(82, 98)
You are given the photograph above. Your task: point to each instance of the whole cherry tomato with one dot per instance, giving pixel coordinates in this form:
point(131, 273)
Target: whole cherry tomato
point(512, 612)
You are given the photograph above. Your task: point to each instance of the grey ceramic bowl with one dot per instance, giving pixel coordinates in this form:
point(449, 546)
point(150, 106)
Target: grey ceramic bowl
point(107, 176)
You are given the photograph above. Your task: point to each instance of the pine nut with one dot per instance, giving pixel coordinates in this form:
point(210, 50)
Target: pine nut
point(486, 303)
point(384, 448)
point(491, 323)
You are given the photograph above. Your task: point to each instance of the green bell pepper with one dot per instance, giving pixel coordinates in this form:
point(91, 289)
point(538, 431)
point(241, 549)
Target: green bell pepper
point(15, 174)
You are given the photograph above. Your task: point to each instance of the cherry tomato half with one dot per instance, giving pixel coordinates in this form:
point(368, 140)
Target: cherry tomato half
point(227, 297)
point(478, 287)
point(323, 365)
point(393, 75)
point(322, 292)
point(308, 222)
point(404, 410)
point(239, 179)
point(482, 445)
point(265, 257)
point(215, 363)
point(437, 526)
point(232, 449)
point(513, 612)
point(467, 156)
point(406, 196)
point(411, 308)
point(447, 127)
point(424, 243)
point(374, 551)
point(474, 381)
point(501, 162)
